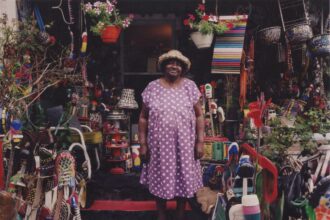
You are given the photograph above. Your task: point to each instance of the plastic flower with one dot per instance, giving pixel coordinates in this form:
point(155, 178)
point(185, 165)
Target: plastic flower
point(103, 14)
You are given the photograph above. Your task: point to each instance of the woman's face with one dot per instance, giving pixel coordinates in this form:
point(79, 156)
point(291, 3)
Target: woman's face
point(173, 69)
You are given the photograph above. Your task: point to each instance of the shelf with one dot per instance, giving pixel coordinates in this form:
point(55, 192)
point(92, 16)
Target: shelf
point(116, 119)
point(213, 161)
point(119, 132)
point(141, 74)
point(114, 161)
point(114, 146)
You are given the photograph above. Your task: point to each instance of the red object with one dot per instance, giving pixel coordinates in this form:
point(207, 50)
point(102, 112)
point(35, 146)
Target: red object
point(117, 170)
point(267, 165)
point(230, 25)
point(205, 18)
point(213, 84)
point(130, 206)
point(202, 89)
point(201, 7)
point(2, 183)
point(255, 114)
point(191, 17)
point(110, 34)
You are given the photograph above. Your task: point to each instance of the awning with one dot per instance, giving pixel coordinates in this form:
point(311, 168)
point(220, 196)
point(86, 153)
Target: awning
point(228, 50)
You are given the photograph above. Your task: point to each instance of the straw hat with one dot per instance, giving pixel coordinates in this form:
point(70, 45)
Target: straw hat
point(174, 54)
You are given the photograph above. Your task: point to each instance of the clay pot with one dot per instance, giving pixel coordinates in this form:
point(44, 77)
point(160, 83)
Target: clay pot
point(110, 34)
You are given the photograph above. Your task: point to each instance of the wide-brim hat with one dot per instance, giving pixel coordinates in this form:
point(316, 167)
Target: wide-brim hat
point(174, 54)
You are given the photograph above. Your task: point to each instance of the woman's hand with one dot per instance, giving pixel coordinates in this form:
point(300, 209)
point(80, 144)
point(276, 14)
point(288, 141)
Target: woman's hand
point(199, 150)
point(144, 153)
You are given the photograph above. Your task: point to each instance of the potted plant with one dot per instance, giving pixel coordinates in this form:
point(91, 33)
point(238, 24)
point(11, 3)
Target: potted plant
point(106, 19)
point(205, 26)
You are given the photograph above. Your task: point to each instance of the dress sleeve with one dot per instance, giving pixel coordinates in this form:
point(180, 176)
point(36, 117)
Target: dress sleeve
point(146, 95)
point(195, 93)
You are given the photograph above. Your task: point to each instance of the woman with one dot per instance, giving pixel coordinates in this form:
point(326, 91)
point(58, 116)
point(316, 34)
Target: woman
point(171, 134)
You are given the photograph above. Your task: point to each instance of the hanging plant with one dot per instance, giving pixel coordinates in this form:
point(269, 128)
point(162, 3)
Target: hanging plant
point(206, 23)
point(105, 14)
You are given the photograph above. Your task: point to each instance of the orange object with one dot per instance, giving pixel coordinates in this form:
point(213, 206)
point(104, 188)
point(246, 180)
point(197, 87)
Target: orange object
point(243, 87)
point(110, 34)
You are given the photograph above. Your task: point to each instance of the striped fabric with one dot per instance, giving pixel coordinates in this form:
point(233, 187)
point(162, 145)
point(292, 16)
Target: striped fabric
point(228, 50)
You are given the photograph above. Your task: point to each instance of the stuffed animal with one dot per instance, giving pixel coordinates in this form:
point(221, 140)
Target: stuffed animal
point(207, 198)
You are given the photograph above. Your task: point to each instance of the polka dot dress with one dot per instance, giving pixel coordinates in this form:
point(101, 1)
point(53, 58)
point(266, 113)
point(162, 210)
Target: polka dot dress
point(172, 170)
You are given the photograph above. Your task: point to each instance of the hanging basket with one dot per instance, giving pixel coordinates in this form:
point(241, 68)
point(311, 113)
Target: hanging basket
point(201, 41)
point(269, 35)
point(299, 33)
point(319, 45)
point(110, 34)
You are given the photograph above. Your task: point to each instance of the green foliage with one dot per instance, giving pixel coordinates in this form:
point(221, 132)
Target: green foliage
point(29, 67)
point(281, 137)
point(206, 24)
point(205, 27)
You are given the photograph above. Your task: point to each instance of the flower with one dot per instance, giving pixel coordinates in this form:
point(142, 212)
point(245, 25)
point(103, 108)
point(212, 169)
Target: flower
point(206, 23)
point(103, 14)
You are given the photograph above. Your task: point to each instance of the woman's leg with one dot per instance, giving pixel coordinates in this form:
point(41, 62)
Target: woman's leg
point(161, 207)
point(180, 208)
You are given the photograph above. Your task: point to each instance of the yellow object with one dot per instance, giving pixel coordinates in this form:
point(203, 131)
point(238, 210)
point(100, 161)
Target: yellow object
point(207, 151)
point(246, 112)
point(90, 137)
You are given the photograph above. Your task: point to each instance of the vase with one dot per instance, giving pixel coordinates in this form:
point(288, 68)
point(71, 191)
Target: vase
point(110, 34)
point(202, 40)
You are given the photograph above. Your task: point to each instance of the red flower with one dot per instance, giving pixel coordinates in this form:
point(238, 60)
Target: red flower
point(214, 84)
point(191, 17)
point(186, 22)
point(205, 18)
point(201, 7)
point(230, 25)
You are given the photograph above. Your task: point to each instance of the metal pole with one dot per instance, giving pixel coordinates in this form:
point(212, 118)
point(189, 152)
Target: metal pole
point(281, 14)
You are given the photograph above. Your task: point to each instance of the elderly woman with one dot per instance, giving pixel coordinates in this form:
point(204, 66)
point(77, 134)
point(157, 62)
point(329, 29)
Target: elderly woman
point(171, 133)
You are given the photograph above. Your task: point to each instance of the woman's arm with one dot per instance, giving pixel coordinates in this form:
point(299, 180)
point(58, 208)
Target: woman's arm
point(199, 146)
point(143, 132)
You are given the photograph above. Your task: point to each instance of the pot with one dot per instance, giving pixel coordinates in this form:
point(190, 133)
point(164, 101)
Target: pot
point(299, 33)
point(202, 40)
point(110, 34)
point(320, 45)
point(269, 35)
